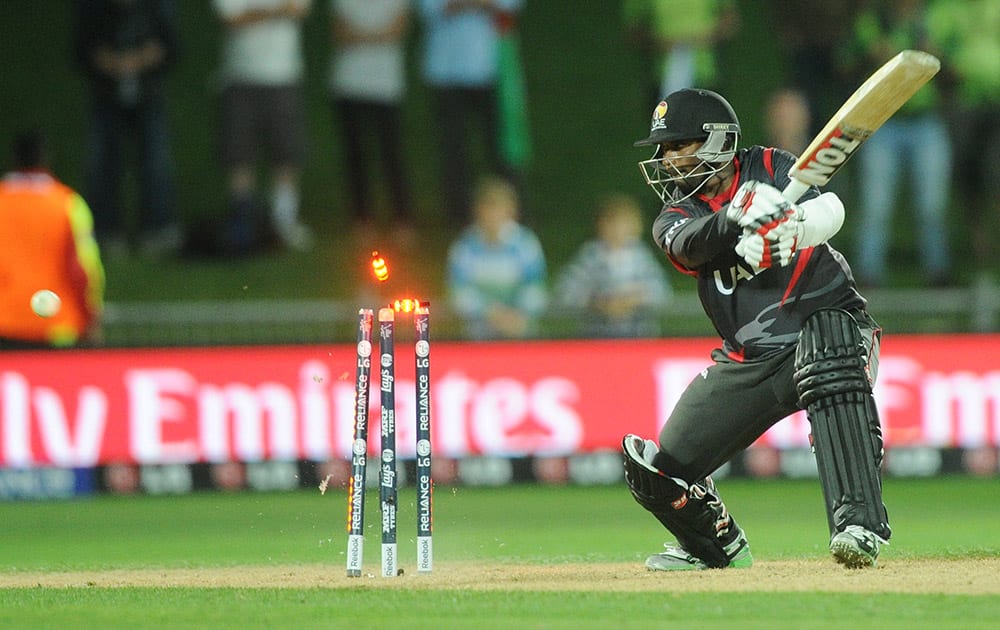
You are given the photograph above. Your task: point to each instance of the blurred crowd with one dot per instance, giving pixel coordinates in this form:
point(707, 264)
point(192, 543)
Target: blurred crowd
point(126, 48)
point(934, 159)
point(926, 161)
point(925, 155)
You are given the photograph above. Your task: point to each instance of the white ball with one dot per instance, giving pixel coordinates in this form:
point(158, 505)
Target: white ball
point(45, 303)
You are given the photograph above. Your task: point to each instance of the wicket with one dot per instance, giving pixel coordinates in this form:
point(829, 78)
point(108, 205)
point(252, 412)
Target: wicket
point(387, 470)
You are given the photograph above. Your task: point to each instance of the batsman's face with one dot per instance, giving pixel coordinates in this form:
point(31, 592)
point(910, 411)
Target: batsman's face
point(688, 171)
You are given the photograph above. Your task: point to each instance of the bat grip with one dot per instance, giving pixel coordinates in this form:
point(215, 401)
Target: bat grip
point(795, 189)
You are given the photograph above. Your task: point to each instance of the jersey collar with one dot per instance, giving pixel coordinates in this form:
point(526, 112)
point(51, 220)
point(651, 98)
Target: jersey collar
point(722, 198)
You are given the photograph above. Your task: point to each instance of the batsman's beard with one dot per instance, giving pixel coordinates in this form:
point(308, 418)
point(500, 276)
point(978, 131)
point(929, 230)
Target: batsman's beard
point(704, 179)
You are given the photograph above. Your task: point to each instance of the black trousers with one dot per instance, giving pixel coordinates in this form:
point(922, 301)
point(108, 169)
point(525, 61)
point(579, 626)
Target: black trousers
point(362, 122)
point(463, 116)
point(729, 405)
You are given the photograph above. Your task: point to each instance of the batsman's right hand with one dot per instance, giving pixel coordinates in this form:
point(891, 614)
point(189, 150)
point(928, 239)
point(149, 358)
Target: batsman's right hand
point(759, 207)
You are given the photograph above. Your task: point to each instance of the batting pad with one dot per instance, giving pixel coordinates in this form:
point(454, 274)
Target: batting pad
point(693, 513)
point(846, 435)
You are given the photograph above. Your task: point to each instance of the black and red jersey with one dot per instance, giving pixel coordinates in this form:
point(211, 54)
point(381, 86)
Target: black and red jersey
point(757, 313)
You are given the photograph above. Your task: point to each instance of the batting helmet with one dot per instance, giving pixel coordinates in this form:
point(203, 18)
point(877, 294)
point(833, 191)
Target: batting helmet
point(689, 114)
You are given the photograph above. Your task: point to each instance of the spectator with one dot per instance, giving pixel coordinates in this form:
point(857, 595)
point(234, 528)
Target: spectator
point(811, 34)
point(680, 38)
point(125, 48)
point(615, 280)
point(788, 120)
point(367, 86)
point(915, 137)
point(47, 243)
point(460, 66)
point(969, 34)
point(262, 108)
point(496, 268)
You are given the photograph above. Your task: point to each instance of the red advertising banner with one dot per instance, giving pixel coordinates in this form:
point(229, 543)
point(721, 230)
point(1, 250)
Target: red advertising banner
point(89, 407)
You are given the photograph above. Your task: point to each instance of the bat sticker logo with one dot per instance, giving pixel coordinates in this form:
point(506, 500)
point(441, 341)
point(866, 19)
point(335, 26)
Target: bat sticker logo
point(840, 146)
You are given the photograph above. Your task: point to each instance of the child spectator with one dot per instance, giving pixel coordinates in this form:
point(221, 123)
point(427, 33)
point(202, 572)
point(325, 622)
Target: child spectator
point(615, 280)
point(496, 268)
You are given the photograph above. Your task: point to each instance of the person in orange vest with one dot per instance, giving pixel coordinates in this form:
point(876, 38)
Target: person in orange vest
point(47, 247)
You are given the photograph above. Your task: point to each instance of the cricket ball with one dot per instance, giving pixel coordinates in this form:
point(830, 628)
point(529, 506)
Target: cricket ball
point(45, 303)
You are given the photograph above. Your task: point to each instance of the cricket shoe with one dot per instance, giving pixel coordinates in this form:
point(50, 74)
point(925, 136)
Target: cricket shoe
point(676, 559)
point(856, 547)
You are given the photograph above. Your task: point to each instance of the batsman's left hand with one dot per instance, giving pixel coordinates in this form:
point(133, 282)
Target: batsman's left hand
point(773, 248)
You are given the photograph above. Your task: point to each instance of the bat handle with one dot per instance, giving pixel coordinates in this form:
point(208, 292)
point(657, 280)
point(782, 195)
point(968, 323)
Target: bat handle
point(794, 190)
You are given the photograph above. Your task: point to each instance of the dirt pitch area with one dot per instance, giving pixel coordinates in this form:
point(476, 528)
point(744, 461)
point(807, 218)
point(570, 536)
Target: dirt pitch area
point(969, 577)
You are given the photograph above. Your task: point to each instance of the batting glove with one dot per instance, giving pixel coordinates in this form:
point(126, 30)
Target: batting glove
point(776, 247)
point(759, 207)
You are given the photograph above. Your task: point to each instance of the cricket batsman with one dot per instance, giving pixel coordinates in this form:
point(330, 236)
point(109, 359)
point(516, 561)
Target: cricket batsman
point(795, 334)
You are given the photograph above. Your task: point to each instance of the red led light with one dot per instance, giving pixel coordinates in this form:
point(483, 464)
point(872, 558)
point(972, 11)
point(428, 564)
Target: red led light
point(406, 305)
point(380, 267)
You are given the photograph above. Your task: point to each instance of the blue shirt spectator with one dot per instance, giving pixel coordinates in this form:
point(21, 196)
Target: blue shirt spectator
point(914, 139)
point(461, 52)
point(496, 269)
point(460, 46)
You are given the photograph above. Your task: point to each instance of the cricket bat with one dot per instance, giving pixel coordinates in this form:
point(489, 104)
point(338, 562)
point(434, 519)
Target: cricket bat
point(878, 98)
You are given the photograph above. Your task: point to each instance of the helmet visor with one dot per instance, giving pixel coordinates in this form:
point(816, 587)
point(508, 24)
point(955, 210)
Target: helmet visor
point(675, 178)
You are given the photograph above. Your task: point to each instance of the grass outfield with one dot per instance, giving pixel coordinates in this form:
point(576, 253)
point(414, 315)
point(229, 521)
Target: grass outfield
point(531, 556)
